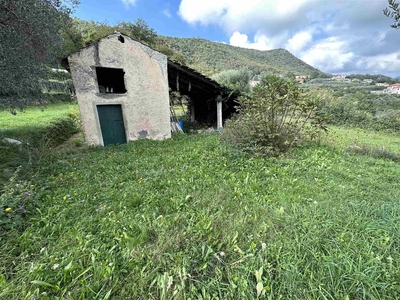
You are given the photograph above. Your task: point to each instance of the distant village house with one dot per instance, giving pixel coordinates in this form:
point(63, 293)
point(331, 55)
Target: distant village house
point(393, 89)
point(301, 78)
point(338, 77)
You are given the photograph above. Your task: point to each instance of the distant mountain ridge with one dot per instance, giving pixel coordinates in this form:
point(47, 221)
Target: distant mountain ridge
point(212, 57)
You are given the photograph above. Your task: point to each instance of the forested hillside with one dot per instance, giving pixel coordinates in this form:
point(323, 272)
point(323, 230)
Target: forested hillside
point(212, 57)
point(377, 78)
point(205, 56)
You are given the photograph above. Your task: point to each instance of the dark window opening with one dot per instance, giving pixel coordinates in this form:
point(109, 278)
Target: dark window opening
point(121, 39)
point(110, 80)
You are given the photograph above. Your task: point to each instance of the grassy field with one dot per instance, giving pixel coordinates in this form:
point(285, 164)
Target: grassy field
point(188, 218)
point(39, 128)
point(32, 119)
point(341, 138)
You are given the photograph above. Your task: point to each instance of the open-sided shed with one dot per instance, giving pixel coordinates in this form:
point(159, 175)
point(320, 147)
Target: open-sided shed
point(210, 103)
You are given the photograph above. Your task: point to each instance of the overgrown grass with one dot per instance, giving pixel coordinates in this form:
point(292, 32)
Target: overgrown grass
point(378, 152)
point(39, 128)
point(188, 219)
point(32, 119)
point(341, 138)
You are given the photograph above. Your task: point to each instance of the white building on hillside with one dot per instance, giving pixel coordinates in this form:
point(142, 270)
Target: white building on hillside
point(382, 84)
point(393, 89)
point(338, 77)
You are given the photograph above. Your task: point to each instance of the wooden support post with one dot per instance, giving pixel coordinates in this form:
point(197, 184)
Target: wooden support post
point(192, 112)
point(177, 81)
point(219, 113)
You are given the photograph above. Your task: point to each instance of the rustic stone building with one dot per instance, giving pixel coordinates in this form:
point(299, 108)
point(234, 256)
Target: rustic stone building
point(122, 91)
point(122, 87)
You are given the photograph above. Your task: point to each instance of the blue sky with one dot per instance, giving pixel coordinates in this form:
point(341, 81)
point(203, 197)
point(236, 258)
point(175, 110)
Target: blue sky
point(160, 15)
point(345, 36)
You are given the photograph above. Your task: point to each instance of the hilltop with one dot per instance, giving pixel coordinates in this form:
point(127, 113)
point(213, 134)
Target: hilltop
point(203, 55)
point(212, 57)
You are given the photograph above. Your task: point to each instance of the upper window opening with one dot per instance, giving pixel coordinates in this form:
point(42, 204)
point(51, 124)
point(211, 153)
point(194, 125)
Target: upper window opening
point(110, 80)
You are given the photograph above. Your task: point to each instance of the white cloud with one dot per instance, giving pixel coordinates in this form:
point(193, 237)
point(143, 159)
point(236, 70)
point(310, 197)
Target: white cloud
point(330, 54)
point(261, 41)
point(334, 36)
point(299, 41)
point(239, 40)
point(236, 15)
point(129, 3)
point(167, 13)
point(388, 62)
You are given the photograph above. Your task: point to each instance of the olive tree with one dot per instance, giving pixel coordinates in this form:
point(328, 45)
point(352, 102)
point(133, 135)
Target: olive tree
point(30, 41)
point(393, 12)
point(237, 80)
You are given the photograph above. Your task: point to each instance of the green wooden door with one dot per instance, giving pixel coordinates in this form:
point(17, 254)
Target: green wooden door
point(112, 124)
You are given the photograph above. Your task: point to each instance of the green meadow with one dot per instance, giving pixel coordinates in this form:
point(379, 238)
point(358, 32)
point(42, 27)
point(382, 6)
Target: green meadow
point(32, 119)
point(190, 218)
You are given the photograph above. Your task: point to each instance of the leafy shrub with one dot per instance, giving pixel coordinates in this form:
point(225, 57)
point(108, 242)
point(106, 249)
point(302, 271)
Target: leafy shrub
point(276, 117)
point(76, 121)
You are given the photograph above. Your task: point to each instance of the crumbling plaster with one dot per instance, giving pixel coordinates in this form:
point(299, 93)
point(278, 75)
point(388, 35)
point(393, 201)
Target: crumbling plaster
point(145, 105)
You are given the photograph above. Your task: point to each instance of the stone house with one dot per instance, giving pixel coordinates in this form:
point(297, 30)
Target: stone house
point(122, 87)
point(122, 91)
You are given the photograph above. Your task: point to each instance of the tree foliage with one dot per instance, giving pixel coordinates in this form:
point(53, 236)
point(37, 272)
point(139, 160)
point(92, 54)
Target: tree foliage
point(236, 80)
point(277, 116)
point(393, 12)
point(30, 41)
point(360, 109)
point(91, 31)
point(379, 78)
point(172, 54)
point(211, 58)
point(139, 30)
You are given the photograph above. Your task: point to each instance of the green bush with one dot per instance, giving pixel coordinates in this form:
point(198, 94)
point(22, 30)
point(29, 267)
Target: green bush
point(277, 116)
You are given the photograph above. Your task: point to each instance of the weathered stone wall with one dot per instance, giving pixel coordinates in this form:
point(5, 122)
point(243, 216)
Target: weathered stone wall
point(145, 105)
